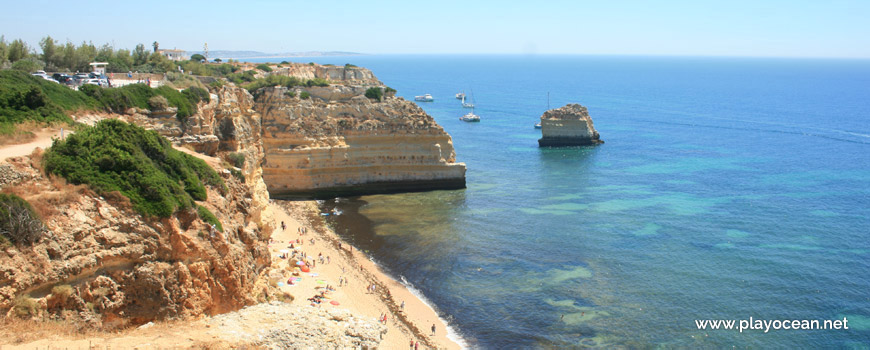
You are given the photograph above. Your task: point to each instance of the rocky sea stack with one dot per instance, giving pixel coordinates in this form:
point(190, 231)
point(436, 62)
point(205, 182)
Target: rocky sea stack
point(568, 126)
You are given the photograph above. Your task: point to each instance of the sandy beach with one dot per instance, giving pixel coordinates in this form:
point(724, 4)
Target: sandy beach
point(409, 323)
point(409, 319)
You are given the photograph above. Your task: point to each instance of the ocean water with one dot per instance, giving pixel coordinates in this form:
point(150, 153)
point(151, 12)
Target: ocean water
point(727, 188)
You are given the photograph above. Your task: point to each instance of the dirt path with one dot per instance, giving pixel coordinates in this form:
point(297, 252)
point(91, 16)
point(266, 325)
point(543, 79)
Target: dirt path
point(43, 140)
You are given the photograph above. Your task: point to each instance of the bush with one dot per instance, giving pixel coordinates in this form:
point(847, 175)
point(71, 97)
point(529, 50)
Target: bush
point(375, 93)
point(197, 57)
point(388, 90)
point(158, 103)
point(197, 94)
point(25, 306)
point(19, 223)
point(140, 164)
point(236, 159)
point(317, 82)
point(238, 174)
point(24, 97)
point(348, 65)
point(264, 67)
point(304, 95)
point(290, 93)
point(28, 65)
point(217, 84)
point(207, 216)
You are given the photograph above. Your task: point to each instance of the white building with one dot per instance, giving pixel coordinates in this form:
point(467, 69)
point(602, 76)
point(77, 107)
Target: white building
point(175, 55)
point(99, 67)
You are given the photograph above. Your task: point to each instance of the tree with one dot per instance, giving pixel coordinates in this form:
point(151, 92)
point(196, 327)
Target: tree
point(49, 52)
point(375, 93)
point(197, 57)
point(156, 46)
point(3, 49)
point(28, 64)
point(140, 56)
point(17, 50)
point(218, 60)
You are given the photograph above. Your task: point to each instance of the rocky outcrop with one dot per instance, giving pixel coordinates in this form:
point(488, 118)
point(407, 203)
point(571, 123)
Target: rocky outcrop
point(116, 266)
point(322, 149)
point(568, 126)
point(337, 74)
point(277, 325)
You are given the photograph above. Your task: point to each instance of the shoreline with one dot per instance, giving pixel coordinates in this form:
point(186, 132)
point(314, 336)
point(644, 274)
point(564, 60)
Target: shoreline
point(411, 323)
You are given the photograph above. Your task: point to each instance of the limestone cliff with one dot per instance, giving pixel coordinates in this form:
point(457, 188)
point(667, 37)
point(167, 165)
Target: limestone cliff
point(336, 74)
point(348, 144)
point(117, 266)
point(568, 126)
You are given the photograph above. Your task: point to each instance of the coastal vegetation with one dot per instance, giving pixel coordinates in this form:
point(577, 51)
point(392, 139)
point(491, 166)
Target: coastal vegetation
point(207, 216)
point(19, 223)
point(375, 93)
point(138, 163)
point(26, 98)
point(264, 67)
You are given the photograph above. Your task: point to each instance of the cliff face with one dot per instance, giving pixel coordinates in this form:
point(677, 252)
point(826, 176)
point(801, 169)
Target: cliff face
point(326, 147)
point(568, 126)
point(335, 74)
point(122, 267)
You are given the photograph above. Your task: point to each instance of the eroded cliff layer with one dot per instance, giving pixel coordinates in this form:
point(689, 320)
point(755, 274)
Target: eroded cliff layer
point(341, 144)
point(568, 126)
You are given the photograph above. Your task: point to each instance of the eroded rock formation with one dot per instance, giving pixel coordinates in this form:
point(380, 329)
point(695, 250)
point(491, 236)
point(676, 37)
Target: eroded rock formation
point(568, 126)
point(351, 145)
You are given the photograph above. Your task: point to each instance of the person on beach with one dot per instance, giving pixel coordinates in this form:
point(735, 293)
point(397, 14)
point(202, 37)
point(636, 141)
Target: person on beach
point(433, 329)
point(403, 305)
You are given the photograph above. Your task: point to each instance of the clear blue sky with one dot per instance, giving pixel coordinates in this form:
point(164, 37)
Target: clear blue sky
point(798, 28)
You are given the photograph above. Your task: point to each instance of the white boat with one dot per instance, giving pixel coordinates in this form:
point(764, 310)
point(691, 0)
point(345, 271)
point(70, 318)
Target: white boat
point(470, 117)
point(460, 96)
point(466, 105)
point(424, 98)
point(538, 125)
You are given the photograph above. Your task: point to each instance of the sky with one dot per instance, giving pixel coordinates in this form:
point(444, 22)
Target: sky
point(754, 28)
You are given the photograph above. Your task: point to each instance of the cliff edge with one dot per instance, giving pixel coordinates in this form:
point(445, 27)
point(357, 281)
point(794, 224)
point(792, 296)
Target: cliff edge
point(568, 126)
point(340, 143)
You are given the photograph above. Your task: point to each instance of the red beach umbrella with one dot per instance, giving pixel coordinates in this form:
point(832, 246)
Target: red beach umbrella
point(333, 302)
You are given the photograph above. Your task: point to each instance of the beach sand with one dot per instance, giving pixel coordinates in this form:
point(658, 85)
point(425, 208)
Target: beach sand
point(411, 323)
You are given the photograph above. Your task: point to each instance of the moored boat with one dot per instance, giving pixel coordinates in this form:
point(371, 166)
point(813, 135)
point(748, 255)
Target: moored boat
point(424, 98)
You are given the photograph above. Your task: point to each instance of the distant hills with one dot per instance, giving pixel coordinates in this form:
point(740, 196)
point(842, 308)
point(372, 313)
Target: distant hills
point(226, 54)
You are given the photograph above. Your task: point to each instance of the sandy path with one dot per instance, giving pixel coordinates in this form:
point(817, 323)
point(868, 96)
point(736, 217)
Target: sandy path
point(43, 140)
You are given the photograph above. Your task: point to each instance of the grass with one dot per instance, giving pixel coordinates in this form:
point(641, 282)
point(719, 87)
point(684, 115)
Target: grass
point(140, 164)
point(207, 216)
point(24, 98)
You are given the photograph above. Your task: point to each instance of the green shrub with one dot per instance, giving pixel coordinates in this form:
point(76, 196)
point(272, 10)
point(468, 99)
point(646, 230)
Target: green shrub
point(375, 93)
point(304, 95)
point(238, 174)
point(140, 164)
point(285, 62)
point(264, 67)
point(236, 159)
point(24, 97)
point(388, 90)
point(197, 57)
point(197, 94)
point(290, 93)
point(158, 103)
point(310, 63)
point(217, 84)
point(348, 65)
point(207, 216)
point(317, 82)
point(19, 223)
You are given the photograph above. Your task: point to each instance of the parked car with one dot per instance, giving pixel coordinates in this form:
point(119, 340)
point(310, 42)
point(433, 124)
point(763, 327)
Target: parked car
point(81, 78)
point(62, 78)
point(93, 82)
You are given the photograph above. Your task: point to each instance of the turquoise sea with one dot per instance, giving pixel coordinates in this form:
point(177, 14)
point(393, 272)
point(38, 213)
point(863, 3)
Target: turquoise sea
point(727, 188)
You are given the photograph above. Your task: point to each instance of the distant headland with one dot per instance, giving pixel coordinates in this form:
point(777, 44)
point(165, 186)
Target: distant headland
point(227, 54)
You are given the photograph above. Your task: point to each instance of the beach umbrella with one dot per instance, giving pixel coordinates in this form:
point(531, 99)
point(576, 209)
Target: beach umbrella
point(300, 263)
point(333, 302)
point(305, 268)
